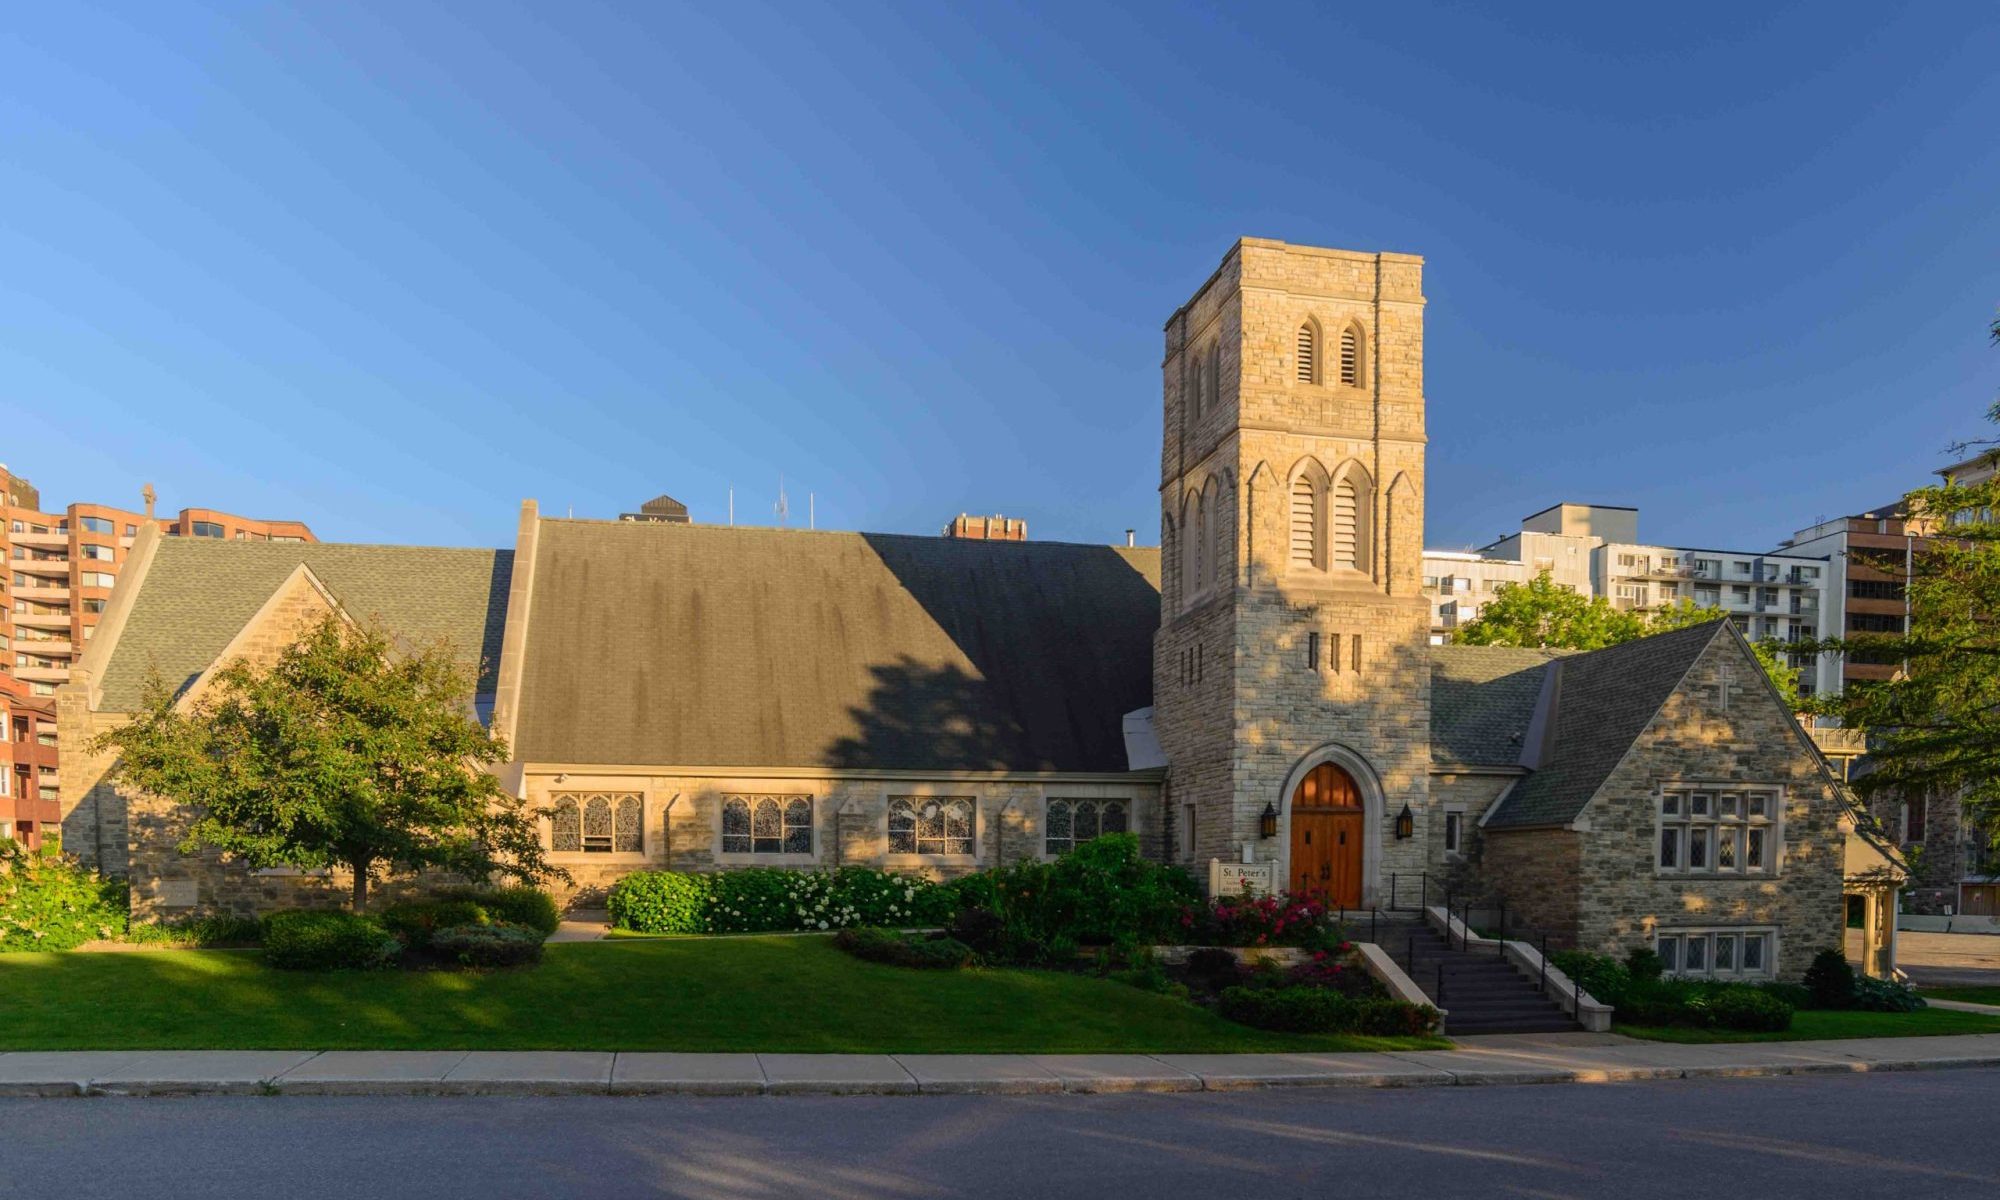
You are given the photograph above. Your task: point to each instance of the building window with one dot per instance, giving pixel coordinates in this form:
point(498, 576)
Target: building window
point(1217, 548)
point(1214, 375)
point(1718, 831)
point(934, 825)
point(1070, 823)
point(1454, 832)
point(1350, 356)
point(1194, 386)
point(102, 579)
point(1308, 354)
point(96, 525)
point(1305, 523)
point(767, 825)
point(207, 529)
point(1187, 846)
point(1916, 814)
point(1718, 953)
point(100, 553)
point(597, 823)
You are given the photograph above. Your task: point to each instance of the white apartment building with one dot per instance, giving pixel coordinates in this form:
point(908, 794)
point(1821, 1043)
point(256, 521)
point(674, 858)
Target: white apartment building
point(1594, 549)
point(1459, 583)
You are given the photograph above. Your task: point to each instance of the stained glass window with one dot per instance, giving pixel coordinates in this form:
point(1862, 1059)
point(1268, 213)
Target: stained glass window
point(930, 825)
point(1071, 823)
point(597, 823)
point(767, 825)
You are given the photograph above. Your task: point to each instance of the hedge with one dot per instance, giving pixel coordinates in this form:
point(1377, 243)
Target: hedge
point(1322, 1010)
point(301, 939)
point(766, 899)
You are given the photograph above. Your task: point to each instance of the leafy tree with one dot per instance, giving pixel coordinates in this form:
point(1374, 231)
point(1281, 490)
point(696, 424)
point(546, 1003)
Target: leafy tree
point(1770, 654)
point(347, 751)
point(1546, 615)
point(1934, 728)
point(1543, 613)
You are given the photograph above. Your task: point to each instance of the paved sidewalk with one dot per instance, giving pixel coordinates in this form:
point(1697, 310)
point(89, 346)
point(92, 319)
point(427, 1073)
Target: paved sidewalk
point(1499, 1059)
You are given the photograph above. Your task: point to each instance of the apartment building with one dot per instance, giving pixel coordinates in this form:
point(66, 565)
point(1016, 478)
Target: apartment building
point(1868, 556)
point(1770, 597)
point(1458, 585)
point(60, 569)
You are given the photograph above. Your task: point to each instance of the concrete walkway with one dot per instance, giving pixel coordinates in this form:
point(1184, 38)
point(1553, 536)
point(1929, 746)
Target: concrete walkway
point(1500, 1059)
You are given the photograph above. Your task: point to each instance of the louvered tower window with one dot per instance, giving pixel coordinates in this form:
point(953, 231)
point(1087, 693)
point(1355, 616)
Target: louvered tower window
point(1346, 525)
point(1350, 356)
point(1305, 523)
point(1308, 355)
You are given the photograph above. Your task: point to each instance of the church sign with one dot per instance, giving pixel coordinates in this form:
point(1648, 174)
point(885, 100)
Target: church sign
point(1241, 879)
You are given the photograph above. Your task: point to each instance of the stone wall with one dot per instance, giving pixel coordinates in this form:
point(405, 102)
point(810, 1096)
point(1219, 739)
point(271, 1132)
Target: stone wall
point(683, 822)
point(1718, 730)
point(1535, 873)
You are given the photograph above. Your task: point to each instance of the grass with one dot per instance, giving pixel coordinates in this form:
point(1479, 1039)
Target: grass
point(1819, 1025)
point(741, 994)
point(1970, 995)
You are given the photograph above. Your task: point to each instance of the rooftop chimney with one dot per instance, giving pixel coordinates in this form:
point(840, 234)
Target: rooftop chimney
point(988, 529)
point(1131, 537)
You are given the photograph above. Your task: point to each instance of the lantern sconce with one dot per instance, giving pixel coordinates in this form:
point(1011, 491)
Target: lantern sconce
point(1267, 824)
point(1406, 824)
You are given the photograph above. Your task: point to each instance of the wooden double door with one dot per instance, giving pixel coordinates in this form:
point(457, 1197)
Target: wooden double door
point(1328, 830)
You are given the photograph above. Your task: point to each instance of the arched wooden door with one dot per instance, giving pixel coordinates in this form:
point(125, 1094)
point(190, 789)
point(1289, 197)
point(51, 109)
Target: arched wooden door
point(1327, 829)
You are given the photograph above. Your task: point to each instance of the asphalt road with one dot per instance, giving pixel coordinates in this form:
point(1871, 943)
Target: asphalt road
point(1904, 1135)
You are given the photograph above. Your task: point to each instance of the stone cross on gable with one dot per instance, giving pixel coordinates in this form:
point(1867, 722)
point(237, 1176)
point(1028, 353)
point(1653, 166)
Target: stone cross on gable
point(1724, 678)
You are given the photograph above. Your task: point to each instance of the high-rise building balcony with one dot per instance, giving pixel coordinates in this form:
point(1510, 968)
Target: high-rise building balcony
point(42, 620)
point(30, 538)
point(43, 674)
point(41, 593)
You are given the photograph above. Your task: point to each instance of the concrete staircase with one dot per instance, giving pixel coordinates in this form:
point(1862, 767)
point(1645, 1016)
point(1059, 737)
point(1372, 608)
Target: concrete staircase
point(1483, 991)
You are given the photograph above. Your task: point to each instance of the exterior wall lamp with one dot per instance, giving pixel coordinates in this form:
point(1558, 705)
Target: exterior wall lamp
point(1267, 824)
point(1406, 824)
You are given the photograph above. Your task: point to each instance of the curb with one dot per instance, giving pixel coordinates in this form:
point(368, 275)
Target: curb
point(1048, 1082)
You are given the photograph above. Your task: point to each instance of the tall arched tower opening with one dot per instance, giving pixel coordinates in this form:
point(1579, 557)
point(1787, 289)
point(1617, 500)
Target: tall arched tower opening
point(1293, 631)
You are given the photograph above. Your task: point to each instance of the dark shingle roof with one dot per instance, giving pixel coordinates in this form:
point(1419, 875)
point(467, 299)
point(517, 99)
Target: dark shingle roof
point(1603, 701)
point(199, 593)
point(1482, 699)
point(702, 645)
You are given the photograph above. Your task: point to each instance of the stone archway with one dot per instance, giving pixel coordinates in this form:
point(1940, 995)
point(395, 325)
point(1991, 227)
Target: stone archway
point(1331, 812)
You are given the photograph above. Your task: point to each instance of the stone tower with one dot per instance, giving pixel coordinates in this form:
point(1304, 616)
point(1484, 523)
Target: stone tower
point(1290, 669)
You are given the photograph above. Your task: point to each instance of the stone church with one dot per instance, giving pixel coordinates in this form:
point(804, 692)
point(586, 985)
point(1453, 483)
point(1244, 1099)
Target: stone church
point(1258, 689)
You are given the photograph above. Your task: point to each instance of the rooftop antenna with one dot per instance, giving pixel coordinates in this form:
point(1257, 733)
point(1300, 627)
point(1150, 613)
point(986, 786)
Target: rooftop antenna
point(781, 507)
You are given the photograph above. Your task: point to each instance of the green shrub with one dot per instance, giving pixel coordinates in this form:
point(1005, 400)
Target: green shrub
point(1794, 994)
point(1886, 995)
point(1644, 964)
point(1320, 1010)
point(1102, 892)
point(1739, 1006)
point(1604, 977)
point(198, 932)
point(899, 949)
point(303, 939)
point(49, 902)
point(415, 921)
point(516, 905)
point(661, 902)
point(1830, 980)
point(492, 944)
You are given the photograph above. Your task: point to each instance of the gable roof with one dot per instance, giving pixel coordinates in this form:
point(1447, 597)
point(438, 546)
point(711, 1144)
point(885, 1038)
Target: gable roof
point(1598, 705)
point(198, 593)
point(1483, 702)
point(704, 645)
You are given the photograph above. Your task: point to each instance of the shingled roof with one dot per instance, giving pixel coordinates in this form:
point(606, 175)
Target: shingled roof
point(1482, 701)
point(1603, 701)
point(198, 593)
point(702, 645)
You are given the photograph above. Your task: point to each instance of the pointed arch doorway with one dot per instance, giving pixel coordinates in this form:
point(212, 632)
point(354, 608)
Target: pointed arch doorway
point(1329, 825)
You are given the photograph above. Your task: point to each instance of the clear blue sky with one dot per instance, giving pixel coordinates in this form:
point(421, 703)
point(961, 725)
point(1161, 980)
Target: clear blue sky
point(389, 268)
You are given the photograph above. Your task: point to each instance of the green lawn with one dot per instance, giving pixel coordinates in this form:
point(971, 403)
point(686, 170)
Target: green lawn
point(766, 993)
point(1970, 995)
point(1818, 1025)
